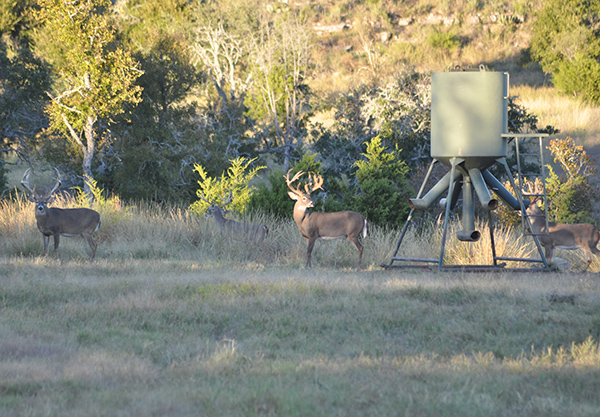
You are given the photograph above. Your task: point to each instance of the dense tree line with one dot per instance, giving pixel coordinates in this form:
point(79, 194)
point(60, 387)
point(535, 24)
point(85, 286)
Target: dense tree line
point(136, 95)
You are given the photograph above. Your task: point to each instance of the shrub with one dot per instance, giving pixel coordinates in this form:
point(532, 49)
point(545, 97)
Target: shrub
point(570, 194)
point(384, 194)
point(218, 190)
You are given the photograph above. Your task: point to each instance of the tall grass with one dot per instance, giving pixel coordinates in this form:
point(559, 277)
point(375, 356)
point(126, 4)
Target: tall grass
point(156, 232)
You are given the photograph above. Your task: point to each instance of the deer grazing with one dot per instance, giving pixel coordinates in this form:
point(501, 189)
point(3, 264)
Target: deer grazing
point(253, 232)
point(561, 235)
point(55, 222)
point(313, 225)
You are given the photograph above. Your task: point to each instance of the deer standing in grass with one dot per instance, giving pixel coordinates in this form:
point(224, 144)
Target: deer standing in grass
point(254, 232)
point(313, 226)
point(561, 235)
point(55, 222)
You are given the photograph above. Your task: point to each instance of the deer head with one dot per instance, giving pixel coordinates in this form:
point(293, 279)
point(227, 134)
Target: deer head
point(303, 199)
point(41, 200)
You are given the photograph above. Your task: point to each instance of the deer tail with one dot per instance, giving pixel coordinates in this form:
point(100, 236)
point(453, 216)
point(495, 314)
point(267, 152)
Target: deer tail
point(365, 230)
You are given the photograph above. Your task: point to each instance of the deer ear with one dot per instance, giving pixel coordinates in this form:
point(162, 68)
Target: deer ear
point(292, 195)
point(31, 198)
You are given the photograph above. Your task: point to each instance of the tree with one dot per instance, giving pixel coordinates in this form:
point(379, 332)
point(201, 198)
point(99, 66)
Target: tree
point(280, 57)
point(566, 42)
point(382, 180)
point(93, 74)
point(157, 142)
point(401, 112)
point(23, 79)
point(222, 56)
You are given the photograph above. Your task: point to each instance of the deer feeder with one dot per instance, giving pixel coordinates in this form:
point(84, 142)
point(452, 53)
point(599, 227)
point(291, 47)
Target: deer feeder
point(468, 120)
point(469, 134)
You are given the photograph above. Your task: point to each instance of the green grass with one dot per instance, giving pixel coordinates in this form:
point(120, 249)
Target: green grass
point(172, 318)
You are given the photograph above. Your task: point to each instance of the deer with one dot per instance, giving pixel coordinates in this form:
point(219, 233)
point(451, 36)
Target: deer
point(56, 222)
point(315, 225)
point(562, 235)
point(257, 233)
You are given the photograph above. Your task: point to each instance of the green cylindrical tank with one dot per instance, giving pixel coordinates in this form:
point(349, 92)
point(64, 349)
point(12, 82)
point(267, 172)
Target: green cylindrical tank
point(468, 117)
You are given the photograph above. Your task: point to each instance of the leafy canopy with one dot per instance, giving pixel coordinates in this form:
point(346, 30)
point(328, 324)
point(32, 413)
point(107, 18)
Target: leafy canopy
point(566, 42)
point(93, 74)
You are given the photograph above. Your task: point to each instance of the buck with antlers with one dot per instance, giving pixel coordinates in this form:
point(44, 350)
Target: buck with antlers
point(254, 232)
point(55, 222)
point(315, 226)
point(561, 235)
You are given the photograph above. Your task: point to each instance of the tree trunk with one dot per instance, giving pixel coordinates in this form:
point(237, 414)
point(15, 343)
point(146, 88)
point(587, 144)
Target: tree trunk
point(88, 155)
point(87, 148)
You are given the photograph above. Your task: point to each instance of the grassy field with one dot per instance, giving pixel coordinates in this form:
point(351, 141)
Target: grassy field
point(173, 319)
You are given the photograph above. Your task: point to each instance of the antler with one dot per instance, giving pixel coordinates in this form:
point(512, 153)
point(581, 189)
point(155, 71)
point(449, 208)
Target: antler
point(289, 182)
point(25, 181)
point(58, 183)
point(224, 201)
point(227, 200)
point(318, 182)
point(199, 194)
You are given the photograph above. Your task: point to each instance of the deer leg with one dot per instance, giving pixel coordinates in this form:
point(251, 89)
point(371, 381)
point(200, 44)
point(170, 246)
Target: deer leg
point(46, 244)
point(549, 254)
point(588, 258)
point(309, 249)
point(354, 239)
point(56, 243)
point(93, 245)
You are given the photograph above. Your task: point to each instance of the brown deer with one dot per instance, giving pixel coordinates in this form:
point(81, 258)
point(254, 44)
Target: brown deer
point(561, 235)
point(313, 226)
point(55, 222)
point(254, 232)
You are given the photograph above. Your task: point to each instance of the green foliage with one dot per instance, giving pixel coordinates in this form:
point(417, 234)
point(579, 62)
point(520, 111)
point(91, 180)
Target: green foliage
point(397, 111)
point(279, 99)
point(94, 76)
point(384, 194)
point(272, 198)
point(401, 112)
point(23, 82)
point(235, 184)
point(447, 41)
point(340, 145)
point(566, 43)
point(157, 142)
point(571, 196)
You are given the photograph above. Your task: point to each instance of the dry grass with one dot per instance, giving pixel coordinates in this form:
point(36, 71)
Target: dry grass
point(173, 318)
point(572, 117)
point(146, 337)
